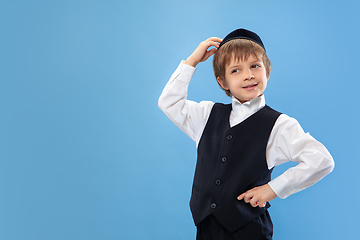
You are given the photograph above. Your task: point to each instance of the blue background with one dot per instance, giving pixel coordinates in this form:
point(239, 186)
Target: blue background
point(85, 153)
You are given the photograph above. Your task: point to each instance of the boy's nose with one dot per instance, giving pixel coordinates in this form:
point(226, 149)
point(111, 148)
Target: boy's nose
point(248, 75)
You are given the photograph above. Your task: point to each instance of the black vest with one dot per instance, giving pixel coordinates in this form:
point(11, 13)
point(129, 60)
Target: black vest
point(230, 162)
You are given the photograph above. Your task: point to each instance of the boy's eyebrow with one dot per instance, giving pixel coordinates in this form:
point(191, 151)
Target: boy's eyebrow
point(233, 65)
point(238, 65)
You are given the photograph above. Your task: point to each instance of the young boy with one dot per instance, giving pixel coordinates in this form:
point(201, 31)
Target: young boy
point(240, 143)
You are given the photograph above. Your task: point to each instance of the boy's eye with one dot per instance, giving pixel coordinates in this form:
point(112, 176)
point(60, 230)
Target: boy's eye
point(255, 66)
point(235, 70)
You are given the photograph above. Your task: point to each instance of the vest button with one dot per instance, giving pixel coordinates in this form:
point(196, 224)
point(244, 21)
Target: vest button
point(224, 159)
point(218, 182)
point(229, 137)
point(213, 205)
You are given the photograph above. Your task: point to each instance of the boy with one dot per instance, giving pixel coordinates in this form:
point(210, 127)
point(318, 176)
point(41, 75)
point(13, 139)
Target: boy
point(240, 143)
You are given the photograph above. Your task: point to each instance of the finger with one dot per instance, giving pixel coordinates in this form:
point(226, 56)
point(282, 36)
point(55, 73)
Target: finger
point(212, 42)
point(215, 39)
point(241, 196)
point(261, 203)
point(255, 202)
point(216, 43)
point(248, 199)
point(209, 53)
point(208, 45)
point(248, 196)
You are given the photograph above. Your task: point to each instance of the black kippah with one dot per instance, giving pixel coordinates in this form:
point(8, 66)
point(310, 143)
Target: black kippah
point(243, 34)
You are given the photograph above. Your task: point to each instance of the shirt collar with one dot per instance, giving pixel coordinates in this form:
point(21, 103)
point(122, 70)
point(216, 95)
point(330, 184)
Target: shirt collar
point(251, 106)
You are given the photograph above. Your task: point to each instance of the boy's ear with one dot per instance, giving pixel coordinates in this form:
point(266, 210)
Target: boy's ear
point(268, 77)
point(222, 83)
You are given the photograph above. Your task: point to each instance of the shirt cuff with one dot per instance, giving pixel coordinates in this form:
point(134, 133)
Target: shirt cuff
point(280, 186)
point(185, 72)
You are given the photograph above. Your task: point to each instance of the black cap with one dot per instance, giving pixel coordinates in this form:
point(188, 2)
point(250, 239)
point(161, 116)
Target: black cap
point(243, 34)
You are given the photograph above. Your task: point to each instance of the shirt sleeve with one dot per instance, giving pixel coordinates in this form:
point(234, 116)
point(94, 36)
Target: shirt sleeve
point(189, 116)
point(289, 142)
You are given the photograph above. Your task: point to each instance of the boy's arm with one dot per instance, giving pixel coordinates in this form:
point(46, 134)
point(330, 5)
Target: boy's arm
point(189, 116)
point(288, 142)
point(291, 143)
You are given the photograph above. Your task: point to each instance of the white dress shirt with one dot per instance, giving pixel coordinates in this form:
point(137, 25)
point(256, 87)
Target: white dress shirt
point(287, 141)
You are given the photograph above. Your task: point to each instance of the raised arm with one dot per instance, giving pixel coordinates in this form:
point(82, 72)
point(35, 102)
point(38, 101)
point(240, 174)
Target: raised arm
point(189, 116)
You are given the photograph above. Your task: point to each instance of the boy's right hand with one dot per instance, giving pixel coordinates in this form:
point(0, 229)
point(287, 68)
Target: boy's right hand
point(201, 53)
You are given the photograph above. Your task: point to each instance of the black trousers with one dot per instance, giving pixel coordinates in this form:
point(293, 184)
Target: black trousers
point(259, 229)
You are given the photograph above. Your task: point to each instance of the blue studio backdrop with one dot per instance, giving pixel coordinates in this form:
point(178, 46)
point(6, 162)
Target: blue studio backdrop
point(85, 153)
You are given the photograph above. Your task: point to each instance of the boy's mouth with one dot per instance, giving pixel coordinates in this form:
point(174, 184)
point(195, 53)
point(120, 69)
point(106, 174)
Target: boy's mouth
point(250, 86)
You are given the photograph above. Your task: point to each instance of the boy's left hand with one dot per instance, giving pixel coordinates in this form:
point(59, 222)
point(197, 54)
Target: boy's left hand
point(258, 196)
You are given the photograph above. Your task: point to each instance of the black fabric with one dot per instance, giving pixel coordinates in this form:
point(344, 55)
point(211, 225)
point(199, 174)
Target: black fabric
point(244, 34)
point(230, 162)
point(211, 229)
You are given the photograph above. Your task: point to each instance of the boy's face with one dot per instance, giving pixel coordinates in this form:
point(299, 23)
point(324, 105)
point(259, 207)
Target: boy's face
point(245, 79)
